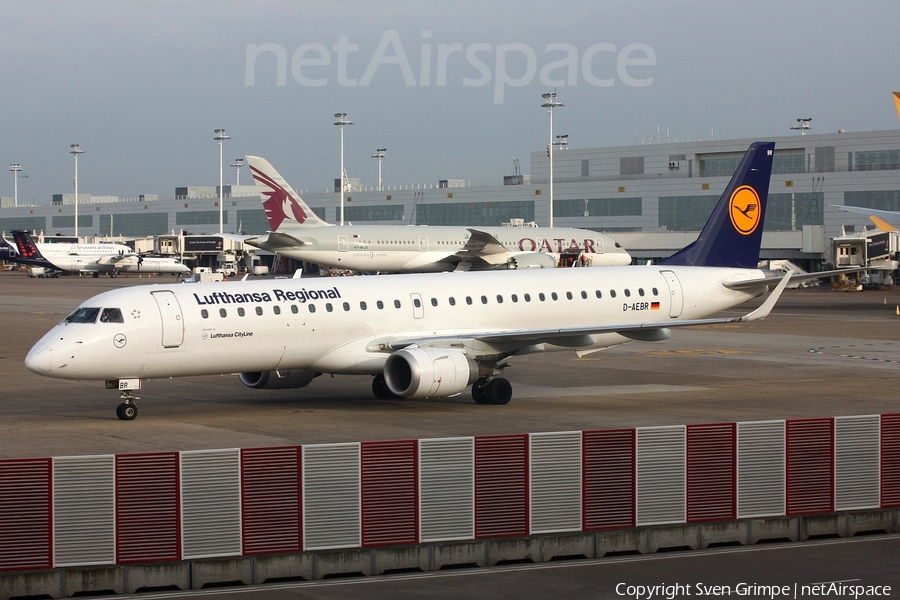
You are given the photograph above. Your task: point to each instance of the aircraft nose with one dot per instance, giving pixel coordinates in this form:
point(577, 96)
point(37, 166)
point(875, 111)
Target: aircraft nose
point(39, 359)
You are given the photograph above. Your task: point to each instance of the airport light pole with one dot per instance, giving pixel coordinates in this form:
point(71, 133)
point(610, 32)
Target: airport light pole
point(802, 125)
point(15, 168)
point(379, 154)
point(75, 151)
point(550, 102)
point(238, 163)
point(341, 121)
point(221, 137)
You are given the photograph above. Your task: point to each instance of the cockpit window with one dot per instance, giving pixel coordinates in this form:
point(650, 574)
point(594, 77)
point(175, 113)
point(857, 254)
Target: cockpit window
point(111, 315)
point(83, 315)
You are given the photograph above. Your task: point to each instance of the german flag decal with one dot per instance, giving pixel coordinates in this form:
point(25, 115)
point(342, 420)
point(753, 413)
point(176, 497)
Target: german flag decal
point(654, 306)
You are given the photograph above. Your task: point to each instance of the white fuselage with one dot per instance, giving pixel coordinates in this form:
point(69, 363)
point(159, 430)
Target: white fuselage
point(347, 325)
point(106, 258)
point(391, 248)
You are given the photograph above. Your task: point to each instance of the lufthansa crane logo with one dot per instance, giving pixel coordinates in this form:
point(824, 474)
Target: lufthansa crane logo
point(744, 210)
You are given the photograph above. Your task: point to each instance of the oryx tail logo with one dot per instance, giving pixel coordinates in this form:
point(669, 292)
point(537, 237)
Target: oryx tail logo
point(744, 210)
point(279, 205)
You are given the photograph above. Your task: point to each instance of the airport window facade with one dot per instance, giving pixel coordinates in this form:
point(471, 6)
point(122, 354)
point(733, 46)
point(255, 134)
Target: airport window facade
point(61, 221)
point(199, 217)
point(252, 221)
point(875, 160)
point(685, 213)
point(387, 212)
point(136, 225)
point(598, 207)
point(31, 223)
point(789, 212)
point(483, 213)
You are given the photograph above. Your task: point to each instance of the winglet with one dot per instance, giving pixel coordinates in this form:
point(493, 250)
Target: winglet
point(766, 307)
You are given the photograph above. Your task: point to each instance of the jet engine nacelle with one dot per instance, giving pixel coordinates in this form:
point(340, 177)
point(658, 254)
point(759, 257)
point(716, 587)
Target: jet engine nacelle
point(428, 372)
point(531, 260)
point(278, 380)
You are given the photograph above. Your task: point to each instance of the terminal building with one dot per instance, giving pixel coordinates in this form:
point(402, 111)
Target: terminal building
point(653, 198)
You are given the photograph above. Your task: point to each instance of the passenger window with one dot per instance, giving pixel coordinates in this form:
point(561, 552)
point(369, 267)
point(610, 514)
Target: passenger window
point(612, 293)
point(542, 297)
point(396, 304)
point(527, 297)
point(469, 300)
point(111, 315)
point(241, 311)
point(362, 305)
point(583, 295)
point(204, 313)
point(329, 307)
point(417, 303)
point(434, 301)
point(380, 305)
point(294, 309)
point(312, 308)
point(568, 295)
point(627, 293)
point(499, 299)
point(641, 292)
point(223, 313)
point(484, 299)
point(655, 292)
point(346, 306)
point(554, 296)
point(452, 301)
point(598, 293)
point(259, 310)
point(276, 309)
point(514, 298)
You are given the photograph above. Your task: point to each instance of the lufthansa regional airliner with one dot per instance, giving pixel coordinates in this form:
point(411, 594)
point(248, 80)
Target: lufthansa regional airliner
point(417, 336)
point(299, 234)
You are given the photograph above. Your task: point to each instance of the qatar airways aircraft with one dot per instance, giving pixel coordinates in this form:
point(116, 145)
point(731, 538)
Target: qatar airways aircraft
point(85, 258)
point(298, 233)
point(419, 335)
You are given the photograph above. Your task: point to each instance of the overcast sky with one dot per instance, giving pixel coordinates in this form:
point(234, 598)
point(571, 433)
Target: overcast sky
point(451, 89)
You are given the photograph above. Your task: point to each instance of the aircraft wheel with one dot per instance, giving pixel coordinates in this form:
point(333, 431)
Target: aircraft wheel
point(478, 391)
point(380, 388)
point(126, 411)
point(96, 275)
point(498, 391)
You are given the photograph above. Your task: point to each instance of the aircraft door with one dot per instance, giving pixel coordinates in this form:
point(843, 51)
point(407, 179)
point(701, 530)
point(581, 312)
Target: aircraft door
point(343, 244)
point(676, 298)
point(423, 243)
point(418, 307)
point(172, 321)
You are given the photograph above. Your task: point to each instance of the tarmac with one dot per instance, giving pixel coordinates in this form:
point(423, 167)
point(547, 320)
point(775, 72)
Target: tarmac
point(820, 353)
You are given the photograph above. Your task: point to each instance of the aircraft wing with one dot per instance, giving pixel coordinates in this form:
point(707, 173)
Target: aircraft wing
point(748, 284)
point(511, 340)
point(888, 215)
point(481, 248)
point(275, 241)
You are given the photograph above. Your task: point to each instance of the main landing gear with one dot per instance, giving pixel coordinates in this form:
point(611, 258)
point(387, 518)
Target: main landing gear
point(128, 410)
point(491, 391)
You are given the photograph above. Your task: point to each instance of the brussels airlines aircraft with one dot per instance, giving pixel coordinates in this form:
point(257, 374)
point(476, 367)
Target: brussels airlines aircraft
point(298, 233)
point(418, 336)
point(87, 258)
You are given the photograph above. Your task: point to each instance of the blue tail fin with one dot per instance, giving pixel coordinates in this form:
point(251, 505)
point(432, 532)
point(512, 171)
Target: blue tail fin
point(733, 234)
point(28, 250)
